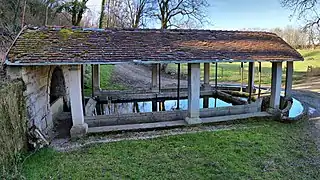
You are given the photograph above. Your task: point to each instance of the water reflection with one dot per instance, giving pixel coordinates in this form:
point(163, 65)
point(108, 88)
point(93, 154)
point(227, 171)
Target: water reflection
point(170, 105)
point(166, 105)
point(296, 108)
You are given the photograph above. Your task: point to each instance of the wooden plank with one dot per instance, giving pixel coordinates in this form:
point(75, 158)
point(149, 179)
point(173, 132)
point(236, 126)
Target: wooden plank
point(137, 126)
point(133, 96)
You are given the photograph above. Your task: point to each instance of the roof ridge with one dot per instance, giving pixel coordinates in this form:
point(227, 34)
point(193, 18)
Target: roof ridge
point(141, 30)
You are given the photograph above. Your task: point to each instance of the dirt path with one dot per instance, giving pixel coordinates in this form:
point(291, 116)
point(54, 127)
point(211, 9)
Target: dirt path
point(139, 76)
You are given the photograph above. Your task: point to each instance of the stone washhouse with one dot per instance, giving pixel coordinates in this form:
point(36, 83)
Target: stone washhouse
point(50, 61)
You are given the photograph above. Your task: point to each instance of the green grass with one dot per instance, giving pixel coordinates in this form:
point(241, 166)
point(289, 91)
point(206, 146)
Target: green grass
point(311, 58)
point(272, 150)
point(230, 72)
point(106, 72)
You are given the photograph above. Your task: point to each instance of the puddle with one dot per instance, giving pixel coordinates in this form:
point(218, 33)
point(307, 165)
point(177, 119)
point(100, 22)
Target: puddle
point(296, 108)
point(167, 105)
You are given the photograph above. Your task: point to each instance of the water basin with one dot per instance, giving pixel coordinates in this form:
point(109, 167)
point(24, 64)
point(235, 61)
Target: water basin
point(166, 105)
point(296, 108)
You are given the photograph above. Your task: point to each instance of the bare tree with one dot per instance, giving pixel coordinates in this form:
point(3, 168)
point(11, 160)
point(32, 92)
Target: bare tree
point(179, 14)
point(23, 13)
point(124, 13)
point(174, 13)
point(76, 8)
point(88, 20)
point(306, 10)
point(110, 13)
point(137, 11)
point(296, 37)
point(103, 3)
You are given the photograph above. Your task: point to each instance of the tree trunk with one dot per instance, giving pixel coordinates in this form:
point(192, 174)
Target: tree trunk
point(15, 24)
point(46, 18)
point(102, 13)
point(23, 13)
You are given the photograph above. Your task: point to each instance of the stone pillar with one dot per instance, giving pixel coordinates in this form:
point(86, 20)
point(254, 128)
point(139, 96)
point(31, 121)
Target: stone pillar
point(276, 85)
point(289, 74)
point(250, 76)
point(206, 74)
point(193, 93)
point(96, 77)
point(155, 76)
point(79, 127)
point(250, 80)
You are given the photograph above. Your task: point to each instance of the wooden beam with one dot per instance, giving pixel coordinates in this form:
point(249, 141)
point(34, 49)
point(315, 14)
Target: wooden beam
point(241, 66)
point(178, 88)
point(259, 92)
point(216, 77)
point(159, 77)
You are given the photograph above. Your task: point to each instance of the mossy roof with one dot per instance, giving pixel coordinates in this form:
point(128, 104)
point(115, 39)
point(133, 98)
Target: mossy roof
point(60, 45)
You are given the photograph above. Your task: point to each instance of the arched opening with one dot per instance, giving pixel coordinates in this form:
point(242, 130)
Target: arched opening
point(57, 87)
point(60, 117)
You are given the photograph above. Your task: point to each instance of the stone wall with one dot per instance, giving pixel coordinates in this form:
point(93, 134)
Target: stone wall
point(37, 80)
point(161, 116)
point(12, 124)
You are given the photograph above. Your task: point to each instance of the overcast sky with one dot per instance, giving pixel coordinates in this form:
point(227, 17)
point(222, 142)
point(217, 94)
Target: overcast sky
point(237, 14)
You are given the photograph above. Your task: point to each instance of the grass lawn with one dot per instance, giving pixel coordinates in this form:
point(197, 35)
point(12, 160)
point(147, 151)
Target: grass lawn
point(272, 150)
point(106, 82)
point(230, 72)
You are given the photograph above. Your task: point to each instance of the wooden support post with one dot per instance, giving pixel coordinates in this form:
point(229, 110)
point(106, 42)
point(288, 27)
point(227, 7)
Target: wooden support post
point(206, 74)
point(216, 77)
point(259, 93)
point(205, 102)
point(159, 77)
point(250, 80)
point(92, 82)
point(241, 89)
point(289, 77)
point(276, 85)
point(95, 78)
point(154, 106)
point(154, 75)
point(178, 88)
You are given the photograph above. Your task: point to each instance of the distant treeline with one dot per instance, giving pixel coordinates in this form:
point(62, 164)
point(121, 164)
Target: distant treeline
point(299, 38)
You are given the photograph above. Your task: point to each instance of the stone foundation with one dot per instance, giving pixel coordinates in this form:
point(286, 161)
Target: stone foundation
point(161, 116)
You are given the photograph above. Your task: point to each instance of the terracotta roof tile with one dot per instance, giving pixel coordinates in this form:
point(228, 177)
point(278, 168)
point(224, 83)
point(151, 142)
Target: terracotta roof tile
point(79, 45)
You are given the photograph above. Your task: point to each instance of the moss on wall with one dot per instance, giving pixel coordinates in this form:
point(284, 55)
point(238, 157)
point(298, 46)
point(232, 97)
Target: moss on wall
point(13, 125)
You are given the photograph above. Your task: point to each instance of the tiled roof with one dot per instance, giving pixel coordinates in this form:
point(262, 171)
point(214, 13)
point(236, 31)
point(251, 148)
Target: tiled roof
point(79, 45)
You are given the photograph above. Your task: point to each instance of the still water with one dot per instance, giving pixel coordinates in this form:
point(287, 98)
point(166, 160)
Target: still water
point(170, 105)
point(167, 105)
point(296, 108)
